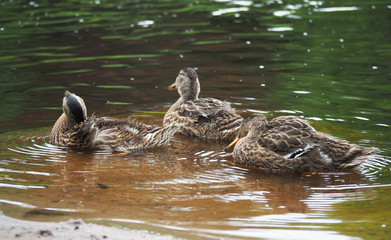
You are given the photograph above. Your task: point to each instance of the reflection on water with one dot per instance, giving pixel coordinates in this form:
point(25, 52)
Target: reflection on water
point(326, 61)
point(190, 186)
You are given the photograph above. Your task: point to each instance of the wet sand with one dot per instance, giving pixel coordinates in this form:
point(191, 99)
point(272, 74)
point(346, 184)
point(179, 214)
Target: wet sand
point(11, 228)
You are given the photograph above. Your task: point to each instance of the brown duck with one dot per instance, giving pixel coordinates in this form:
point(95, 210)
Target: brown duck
point(206, 118)
point(290, 143)
point(74, 129)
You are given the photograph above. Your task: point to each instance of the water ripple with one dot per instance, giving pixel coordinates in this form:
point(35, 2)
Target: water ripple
point(374, 166)
point(17, 186)
point(336, 9)
point(45, 150)
point(321, 201)
point(229, 10)
point(27, 172)
point(20, 204)
point(253, 196)
point(349, 187)
point(283, 219)
point(209, 179)
point(278, 233)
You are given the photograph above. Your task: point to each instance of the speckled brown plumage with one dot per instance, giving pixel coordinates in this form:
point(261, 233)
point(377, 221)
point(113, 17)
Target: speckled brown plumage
point(74, 130)
point(206, 118)
point(290, 143)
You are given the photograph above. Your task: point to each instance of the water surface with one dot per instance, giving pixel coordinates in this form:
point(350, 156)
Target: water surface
point(323, 60)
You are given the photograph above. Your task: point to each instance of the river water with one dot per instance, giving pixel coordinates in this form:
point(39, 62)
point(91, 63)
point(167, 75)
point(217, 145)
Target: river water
point(327, 61)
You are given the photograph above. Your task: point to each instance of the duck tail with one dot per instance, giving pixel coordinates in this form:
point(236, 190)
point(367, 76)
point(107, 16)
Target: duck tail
point(160, 136)
point(342, 155)
point(356, 157)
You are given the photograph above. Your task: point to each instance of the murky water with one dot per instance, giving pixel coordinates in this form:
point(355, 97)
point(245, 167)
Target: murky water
point(324, 60)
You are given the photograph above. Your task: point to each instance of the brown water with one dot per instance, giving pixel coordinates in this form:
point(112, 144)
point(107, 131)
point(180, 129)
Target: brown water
point(190, 189)
point(325, 61)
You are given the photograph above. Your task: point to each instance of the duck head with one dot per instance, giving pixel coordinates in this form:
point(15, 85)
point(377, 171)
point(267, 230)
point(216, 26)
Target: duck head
point(187, 84)
point(74, 107)
point(252, 128)
point(74, 112)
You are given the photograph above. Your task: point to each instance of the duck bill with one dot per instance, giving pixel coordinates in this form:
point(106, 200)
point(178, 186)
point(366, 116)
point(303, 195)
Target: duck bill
point(172, 86)
point(231, 146)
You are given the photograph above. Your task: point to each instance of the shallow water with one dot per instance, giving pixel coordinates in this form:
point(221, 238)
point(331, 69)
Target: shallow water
point(323, 60)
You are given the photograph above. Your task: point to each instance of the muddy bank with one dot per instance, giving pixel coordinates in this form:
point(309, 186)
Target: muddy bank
point(11, 228)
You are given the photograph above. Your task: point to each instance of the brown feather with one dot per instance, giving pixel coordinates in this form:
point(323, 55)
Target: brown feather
point(104, 133)
point(207, 118)
point(290, 143)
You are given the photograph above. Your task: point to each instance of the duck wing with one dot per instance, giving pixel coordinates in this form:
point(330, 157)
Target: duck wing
point(124, 135)
point(201, 108)
point(104, 133)
point(290, 136)
point(255, 155)
point(211, 110)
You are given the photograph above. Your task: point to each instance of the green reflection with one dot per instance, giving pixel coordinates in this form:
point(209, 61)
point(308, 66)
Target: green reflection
point(72, 71)
point(118, 103)
point(212, 42)
point(48, 88)
point(117, 66)
point(362, 219)
point(100, 57)
point(115, 86)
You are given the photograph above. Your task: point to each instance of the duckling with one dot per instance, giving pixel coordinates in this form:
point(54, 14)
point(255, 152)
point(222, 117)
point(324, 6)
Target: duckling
point(206, 118)
point(74, 129)
point(290, 143)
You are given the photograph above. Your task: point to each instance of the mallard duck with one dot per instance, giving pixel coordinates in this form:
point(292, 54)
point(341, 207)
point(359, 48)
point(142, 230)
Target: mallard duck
point(290, 143)
point(75, 130)
point(206, 118)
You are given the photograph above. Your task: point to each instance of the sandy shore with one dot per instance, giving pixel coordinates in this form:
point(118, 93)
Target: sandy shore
point(11, 228)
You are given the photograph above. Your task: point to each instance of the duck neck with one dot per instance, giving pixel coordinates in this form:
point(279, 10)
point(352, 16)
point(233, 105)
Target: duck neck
point(257, 130)
point(63, 124)
point(254, 134)
point(189, 92)
point(186, 98)
point(178, 103)
point(189, 96)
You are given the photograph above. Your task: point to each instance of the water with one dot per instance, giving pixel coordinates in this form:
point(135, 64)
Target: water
point(324, 60)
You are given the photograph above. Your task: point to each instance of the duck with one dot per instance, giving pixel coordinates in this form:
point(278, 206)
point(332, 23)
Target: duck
point(73, 129)
point(290, 143)
point(205, 118)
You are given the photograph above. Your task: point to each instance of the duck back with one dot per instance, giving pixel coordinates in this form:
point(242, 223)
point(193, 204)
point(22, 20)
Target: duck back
point(207, 118)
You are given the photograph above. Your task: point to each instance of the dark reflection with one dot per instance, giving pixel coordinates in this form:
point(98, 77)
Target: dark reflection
point(43, 212)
